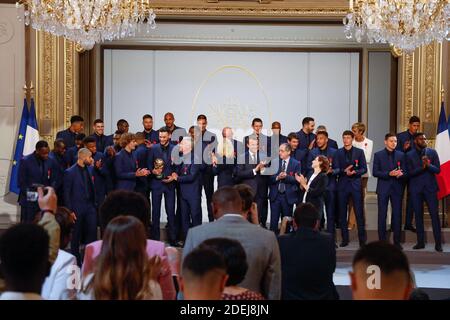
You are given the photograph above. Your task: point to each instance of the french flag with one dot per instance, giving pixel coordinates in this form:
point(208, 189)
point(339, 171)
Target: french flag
point(443, 150)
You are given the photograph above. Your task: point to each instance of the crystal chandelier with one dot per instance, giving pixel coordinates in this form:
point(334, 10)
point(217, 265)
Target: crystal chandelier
point(405, 24)
point(88, 22)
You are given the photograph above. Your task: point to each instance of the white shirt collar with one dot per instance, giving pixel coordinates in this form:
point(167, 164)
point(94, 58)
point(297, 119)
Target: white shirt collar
point(12, 295)
point(232, 215)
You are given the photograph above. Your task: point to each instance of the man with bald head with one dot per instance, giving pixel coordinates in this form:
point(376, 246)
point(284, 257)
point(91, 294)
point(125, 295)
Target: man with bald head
point(177, 132)
point(381, 272)
point(260, 245)
point(79, 197)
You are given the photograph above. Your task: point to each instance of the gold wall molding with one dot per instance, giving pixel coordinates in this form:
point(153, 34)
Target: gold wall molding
point(297, 9)
point(56, 84)
point(420, 86)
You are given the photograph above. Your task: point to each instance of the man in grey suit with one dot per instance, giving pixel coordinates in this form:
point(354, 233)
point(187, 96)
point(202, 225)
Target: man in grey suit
point(260, 245)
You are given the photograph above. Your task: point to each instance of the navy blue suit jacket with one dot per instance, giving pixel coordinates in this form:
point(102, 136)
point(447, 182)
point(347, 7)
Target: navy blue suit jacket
point(154, 153)
point(68, 137)
point(125, 166)
point(382, 165)
point(345, 182)
point(141, 156)
point(281, 139)
point(402, 137)
point(244, 174)
point(292, 189)
point(100, 176)
point(304, 140)
point(423, 180)
point(71, 155)
point(102, 141)
point(332, 144)
point(152, 136)
point(330, 153)
point(75, 196)
point(189, 179)
point(30, 173)
point(301, 155)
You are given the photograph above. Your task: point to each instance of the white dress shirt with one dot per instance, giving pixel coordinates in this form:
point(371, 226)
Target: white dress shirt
point(367, 146)
point(55, 285)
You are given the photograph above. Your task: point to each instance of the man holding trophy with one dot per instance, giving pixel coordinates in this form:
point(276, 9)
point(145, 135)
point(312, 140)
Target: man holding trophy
point(162, 183)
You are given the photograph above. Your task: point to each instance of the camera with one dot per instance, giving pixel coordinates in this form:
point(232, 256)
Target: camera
point(289, 225)
point(32, 194)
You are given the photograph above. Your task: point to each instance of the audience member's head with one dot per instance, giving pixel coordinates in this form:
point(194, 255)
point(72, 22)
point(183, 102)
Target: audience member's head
point(234, 255)
point(306, 216)
point(66, 224)
point(122, 202)
point(203, 275)
point(247, 196)
point(419, 294)
point(226, 200)
point(24, 257)
point(123, 270)
point(380, 271)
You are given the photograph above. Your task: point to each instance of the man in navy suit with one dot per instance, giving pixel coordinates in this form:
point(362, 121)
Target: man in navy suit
point(125, 164)
point(298, 154)
point(284, 191)
point(72, 153)
point(101, 141)
point(250, 171)
point(58, 155)
point(36, 168)
point(176, 133)
point(423, 165)
point(225, 158)
point(161, 185)
point(100, 172)
point(262, 140)
point(405, 143)
point(188, 176)
point(141, 156)
point(323, 148)
point(68, 135)
point(276, 134)
point(351, 165)
point(79, 197)
point(306, 136)
point(208, 142)
point(331, 143)
point(389, 166)
point(151, 136)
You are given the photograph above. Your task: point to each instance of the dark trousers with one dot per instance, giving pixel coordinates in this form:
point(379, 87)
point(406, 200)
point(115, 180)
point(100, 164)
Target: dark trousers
point(178, 220)
point(191, 211)
point(169, 201)
point(432, 202)
point(409, 214)
point(343, 199)
point(279, 207)
point(85, 230)
point(208, 185)
point(331, 210)
point(396, 221)
point(262, 203)
point(28, 211)
point(146, 194)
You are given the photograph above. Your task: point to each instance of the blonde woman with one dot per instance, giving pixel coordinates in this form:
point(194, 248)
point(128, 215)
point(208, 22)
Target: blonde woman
point(123, 270)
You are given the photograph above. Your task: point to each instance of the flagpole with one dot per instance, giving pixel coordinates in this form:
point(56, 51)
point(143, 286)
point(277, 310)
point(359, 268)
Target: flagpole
point(444, 222)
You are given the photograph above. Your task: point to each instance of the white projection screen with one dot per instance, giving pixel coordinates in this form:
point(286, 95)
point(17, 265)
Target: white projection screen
point(231, 88)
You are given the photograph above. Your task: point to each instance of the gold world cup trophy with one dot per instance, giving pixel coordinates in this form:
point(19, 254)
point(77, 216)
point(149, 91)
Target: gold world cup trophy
point(159, 164)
